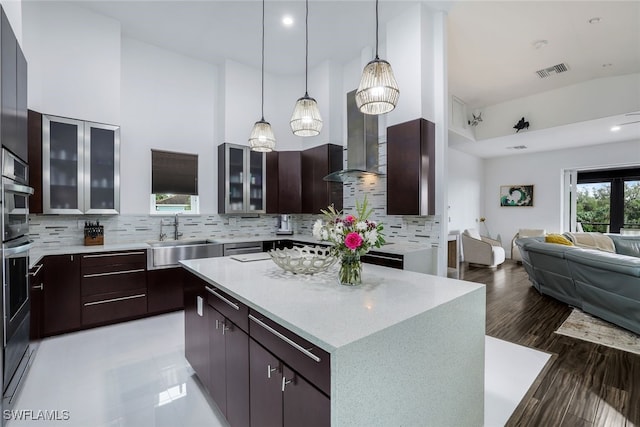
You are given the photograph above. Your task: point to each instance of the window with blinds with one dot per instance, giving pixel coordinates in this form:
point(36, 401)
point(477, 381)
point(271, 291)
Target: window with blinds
point(174, 182)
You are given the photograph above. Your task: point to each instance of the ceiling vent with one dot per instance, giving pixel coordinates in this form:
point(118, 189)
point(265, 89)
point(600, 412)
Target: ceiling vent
point(556, 69)
point(518, 147)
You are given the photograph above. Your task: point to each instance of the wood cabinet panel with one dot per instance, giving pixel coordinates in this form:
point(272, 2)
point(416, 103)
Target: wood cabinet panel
point(107, 308)
point(8, 84)
point(37, 301)
point(196, 328)
point(318, 162)
point(303, 404)
point(61, 294)
point(116, 281)
point(34, 138)
point(411, 168)
point(229, 307)
point(217, 362)
point(113, 261)
point(273, 188)
point(265, 373)
point(289, 182)
point(237, 367)
point(165, 290)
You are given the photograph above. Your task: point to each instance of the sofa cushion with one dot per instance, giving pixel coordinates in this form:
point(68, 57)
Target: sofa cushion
point(592, 241)
point(473, 232)
point(607, 262)
point(627, 245)
point(557, 238)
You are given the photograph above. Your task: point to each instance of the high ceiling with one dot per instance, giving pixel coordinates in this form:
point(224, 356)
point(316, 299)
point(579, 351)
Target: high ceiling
point(492, 50)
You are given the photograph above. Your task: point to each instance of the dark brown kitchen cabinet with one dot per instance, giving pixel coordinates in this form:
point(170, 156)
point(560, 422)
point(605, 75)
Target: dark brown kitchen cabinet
point(165, 290)
point(34, 138)
point(13, 91)
point(229, 352)
point(61, 294)
point(284, 182)
point(196, 328)
point(318, 162)
point(411, 168)
point(114, 286)
point(36, 296)
point(282, 397)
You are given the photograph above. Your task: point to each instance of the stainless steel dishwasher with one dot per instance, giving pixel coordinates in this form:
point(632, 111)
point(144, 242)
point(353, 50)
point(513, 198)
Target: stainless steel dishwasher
point(242, 248)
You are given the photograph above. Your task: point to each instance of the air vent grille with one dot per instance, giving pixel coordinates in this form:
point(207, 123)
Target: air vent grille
point(549, 71)
point(518, 147)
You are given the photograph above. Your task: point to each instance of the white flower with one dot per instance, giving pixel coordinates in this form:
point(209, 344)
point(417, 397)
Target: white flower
point(324, 234)
point(317, 229)
point(361, 226)
point(372, 237)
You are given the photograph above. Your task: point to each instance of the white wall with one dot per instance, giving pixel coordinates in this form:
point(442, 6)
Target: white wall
point(168, 103)
point(74, 61)
point(589, 100)
point(13, 10)
point(544, 171)
point(466, 190)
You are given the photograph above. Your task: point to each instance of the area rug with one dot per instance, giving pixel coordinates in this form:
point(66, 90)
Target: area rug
point(585, 327)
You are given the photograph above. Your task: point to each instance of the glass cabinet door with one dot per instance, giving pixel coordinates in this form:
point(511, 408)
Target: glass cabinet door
point(62, 169)
point(256, 184)
point(235, 179)
point(102, 166)
point(244, 179)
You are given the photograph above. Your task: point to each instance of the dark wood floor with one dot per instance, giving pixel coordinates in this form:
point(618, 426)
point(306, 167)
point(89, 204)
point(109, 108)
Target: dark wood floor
point(584, 384)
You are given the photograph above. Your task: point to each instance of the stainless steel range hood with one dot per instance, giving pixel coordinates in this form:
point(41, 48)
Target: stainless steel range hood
point(362, 144)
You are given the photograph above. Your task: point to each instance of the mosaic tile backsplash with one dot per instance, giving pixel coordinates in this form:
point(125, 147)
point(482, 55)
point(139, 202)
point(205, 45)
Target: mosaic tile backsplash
point(65, 230)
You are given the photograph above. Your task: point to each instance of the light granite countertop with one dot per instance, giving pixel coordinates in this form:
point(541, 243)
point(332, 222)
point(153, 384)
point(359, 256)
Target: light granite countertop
point(37, 253)
point(321, 310)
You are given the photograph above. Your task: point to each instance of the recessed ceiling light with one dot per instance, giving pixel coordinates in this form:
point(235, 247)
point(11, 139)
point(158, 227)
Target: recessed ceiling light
point(615, 128)
point(287, 20)
point(539, 44)
point(595, 20)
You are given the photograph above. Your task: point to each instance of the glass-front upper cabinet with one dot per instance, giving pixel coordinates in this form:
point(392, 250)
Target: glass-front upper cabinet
point(241, 179)
point(81, 167)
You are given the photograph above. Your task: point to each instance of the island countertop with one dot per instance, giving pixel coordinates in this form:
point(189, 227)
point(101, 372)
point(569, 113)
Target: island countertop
point(321, 310)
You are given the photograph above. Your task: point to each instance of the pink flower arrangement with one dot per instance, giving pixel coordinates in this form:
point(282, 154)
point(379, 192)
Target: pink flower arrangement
point(351, 235)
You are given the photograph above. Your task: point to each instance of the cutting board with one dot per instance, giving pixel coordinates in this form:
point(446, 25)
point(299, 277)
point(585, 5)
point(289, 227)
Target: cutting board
point(259, 256)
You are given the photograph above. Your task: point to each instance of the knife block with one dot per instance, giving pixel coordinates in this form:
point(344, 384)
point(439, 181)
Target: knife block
point(94, 236)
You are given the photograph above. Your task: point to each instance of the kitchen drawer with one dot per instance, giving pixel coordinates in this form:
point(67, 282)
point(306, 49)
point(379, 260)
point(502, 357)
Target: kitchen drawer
point(305, 358)
point(384, 259)
point(113, 281)
point(229, 307)
point(97, 262)
point(107, 308)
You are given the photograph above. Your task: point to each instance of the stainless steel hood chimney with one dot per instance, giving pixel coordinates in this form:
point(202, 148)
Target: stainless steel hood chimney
point(362, 144)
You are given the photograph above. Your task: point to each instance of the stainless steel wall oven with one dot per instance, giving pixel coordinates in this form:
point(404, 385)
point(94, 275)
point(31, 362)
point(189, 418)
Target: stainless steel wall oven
point(16, 306)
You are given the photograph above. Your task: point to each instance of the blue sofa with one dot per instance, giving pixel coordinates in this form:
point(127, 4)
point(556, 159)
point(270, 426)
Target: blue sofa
point(605, 284)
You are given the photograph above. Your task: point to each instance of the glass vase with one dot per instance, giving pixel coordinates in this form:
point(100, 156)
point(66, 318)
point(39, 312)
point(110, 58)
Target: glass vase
point(350, 273)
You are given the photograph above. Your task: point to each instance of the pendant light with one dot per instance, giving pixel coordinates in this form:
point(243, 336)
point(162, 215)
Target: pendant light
point(262, 137)
point(306, 120)
point(378, 91)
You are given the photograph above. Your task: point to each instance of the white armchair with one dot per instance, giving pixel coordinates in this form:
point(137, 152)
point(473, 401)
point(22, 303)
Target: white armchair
point(481, 250)
point(524, 232)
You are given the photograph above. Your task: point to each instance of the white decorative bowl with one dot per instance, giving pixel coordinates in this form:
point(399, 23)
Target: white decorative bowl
point(303, 260)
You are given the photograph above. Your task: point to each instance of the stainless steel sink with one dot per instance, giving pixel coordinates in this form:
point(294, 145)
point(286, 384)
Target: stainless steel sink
point(166, 254)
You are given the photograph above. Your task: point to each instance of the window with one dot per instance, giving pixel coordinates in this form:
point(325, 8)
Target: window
point(608, 200)
point(174, 183)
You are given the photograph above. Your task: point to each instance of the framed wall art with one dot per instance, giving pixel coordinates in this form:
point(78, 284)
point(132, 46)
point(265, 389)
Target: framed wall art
point(516, 195)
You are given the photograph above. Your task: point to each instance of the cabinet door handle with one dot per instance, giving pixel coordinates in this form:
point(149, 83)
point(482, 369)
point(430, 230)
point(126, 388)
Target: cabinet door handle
point(270, 370)
point(285, 382)
point(40, 286)
point(35, 273)
point(109, 255)
point(111, 273)
point(225, 300)
point(224, 327)
point(106, 301)
point(285, 339)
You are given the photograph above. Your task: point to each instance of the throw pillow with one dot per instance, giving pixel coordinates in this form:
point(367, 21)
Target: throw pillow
point(557, 238)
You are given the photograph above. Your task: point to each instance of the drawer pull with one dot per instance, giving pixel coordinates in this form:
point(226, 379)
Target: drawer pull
point(225, 300)
point(110, 255)
point(270, 370)
point(285, 339)
point(285, 382)
point(111, 273)
point(105, 301)
point(35, 273)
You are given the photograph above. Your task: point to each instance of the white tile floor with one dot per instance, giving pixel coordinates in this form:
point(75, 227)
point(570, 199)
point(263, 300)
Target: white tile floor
point(135, 374)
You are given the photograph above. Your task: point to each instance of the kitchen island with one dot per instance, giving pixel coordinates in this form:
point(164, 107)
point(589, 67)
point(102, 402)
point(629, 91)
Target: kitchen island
point(405, 348)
